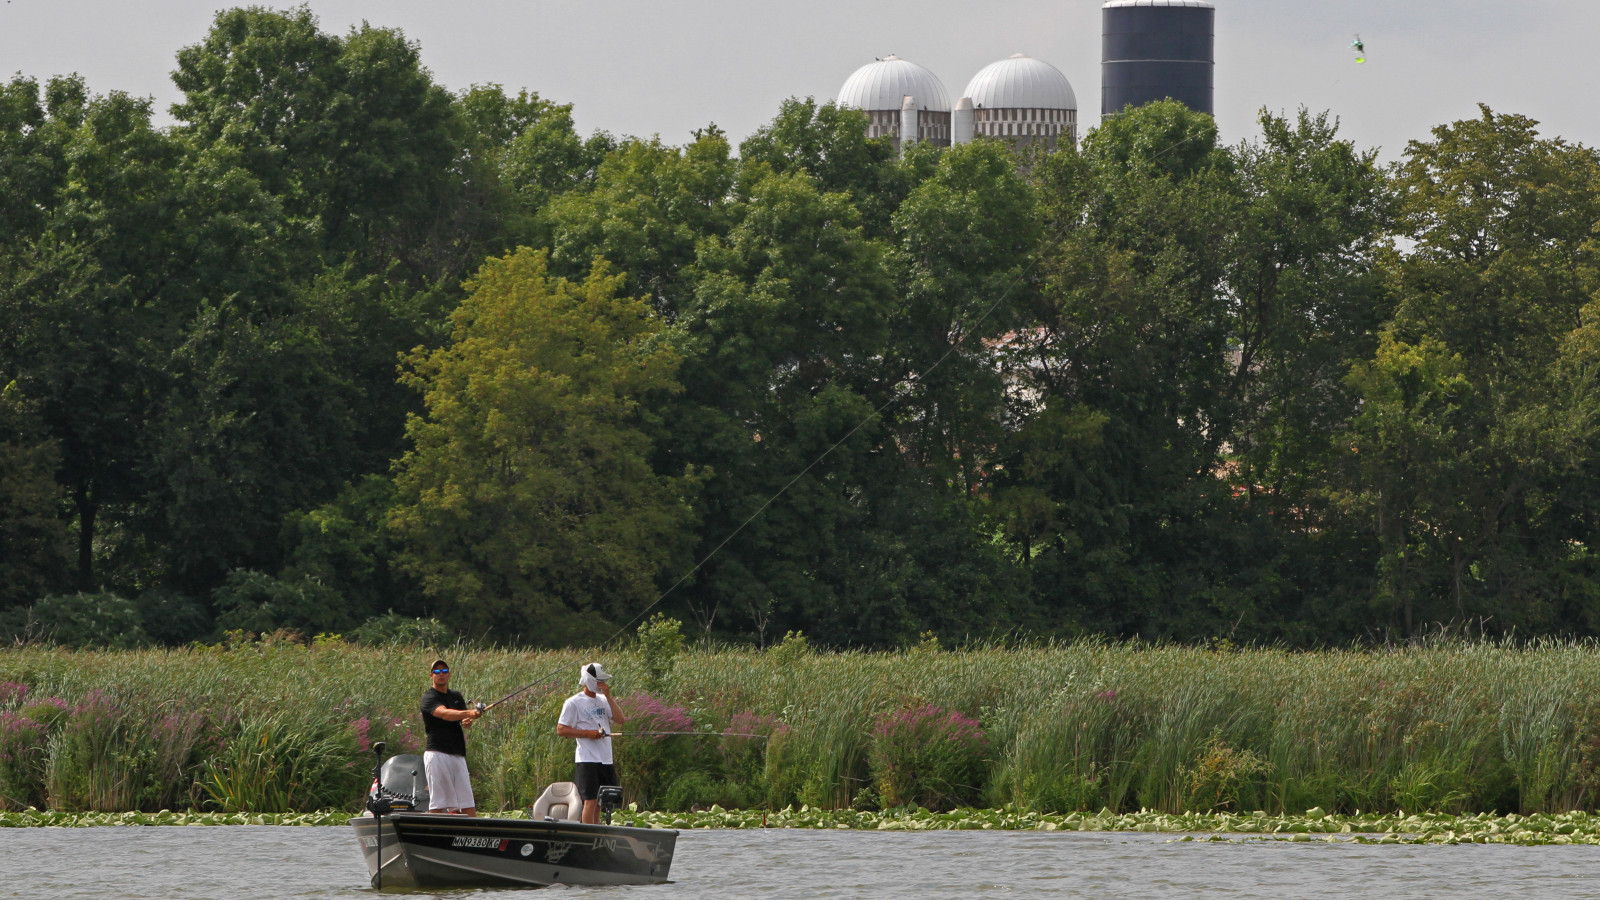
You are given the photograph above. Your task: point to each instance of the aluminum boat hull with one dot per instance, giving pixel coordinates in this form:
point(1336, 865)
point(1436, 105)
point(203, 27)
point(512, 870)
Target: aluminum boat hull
point(433, 850)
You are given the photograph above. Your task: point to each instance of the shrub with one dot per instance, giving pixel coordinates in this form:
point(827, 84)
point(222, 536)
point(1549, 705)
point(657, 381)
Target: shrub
point(95, 757)
point(180, 738)
point(48, 711)
point(647, 765)
point(793, 648)
point(745, 757)
point(1061, 759)
point(1062, 791)
point(271, 763)
point(1431, 785)
point(660, 642)
point(22, 761)
point(1223, 778)
point(392, 730)
point(782, 773)
point(395, 629)
point(699, 789)
point(257, 602)
point(928, 756)
point(174, 619)
point(90, 620)
point(514, 753)
point(12, 692)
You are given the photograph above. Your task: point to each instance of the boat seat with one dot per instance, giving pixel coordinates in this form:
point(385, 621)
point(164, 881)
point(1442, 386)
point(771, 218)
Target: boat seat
point(559, 801)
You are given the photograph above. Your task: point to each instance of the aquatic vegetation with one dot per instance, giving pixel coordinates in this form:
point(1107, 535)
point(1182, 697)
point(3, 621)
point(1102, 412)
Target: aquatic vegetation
point(653, 762)
point(23, 755)
point(1221, 777)
point(1449, 727)
point(34, 818)
point(1566, 828)
point(272, 763)
point(1315, 825)
point(925, 755)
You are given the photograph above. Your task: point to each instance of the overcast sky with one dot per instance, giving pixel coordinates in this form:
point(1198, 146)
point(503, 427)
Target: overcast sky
point(640, 68)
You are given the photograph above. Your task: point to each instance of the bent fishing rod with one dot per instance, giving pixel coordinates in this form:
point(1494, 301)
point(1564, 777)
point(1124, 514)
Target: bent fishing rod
point(894, 397)
point(732, 734)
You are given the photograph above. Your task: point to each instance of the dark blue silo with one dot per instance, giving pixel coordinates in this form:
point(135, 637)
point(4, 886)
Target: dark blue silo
point(1155, 49)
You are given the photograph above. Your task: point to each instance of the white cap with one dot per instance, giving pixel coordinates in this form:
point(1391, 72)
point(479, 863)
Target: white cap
point(591, 674)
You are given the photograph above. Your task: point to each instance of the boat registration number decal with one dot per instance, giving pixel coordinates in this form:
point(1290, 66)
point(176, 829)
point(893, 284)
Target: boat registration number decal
point(481, 843)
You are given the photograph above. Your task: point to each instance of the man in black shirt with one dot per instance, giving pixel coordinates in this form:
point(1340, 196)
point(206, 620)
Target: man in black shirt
point(445, 717)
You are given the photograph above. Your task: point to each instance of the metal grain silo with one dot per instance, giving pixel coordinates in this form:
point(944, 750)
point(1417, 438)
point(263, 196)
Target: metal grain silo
point(1024, 101)
point(1155, 49)
point(902, 100)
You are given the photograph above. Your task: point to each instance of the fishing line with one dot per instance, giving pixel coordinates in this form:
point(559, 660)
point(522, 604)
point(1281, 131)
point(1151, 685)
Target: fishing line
point(694, 733)
point(895, 396)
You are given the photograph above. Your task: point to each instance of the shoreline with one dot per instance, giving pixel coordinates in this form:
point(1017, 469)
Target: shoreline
point(1570, 828)
point(1462, 728)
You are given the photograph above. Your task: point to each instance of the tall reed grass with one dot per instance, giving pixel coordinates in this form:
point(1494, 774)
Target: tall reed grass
point(1448, 727)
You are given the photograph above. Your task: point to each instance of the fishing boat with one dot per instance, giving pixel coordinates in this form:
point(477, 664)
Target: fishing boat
point(407, 848)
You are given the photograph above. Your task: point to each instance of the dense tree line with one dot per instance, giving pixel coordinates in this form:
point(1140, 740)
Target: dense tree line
point(342, 348)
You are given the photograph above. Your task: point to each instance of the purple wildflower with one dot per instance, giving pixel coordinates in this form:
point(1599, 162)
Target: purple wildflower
point(362, 728)
point(648, 713)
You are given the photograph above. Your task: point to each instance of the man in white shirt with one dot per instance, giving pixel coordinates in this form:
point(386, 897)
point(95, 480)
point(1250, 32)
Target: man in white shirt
point(588, 717)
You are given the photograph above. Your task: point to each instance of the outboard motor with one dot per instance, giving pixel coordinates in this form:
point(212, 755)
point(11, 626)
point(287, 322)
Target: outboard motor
point(610, 799)
point(403, 782)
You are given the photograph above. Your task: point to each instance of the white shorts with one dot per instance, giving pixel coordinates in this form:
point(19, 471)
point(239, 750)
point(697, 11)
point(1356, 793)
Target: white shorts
point(449, 785)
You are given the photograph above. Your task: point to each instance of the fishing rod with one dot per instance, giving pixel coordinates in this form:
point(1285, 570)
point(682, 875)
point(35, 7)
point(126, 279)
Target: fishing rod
point(690, 733)
point(894, 397)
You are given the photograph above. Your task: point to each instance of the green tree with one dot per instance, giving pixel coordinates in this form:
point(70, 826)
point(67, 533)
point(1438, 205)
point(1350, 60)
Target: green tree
point(649, 207)
point(350, 135)
point(1108, 490)
point(128, 238)
point(33, 538)
point(830, 143)
point(1304, 276)
point(259, 425)
point(1479, 409)
point(524, 152)
point(345, 545)
point(528, 507)
point(782, 339)
point(965, 236)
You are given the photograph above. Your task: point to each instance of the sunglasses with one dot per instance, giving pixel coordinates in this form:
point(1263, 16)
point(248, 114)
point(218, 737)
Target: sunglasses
point(441, 671)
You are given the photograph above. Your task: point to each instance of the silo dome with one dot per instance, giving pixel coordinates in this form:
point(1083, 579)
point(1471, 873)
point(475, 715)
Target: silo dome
point(903, 101)
point(1021, 100)
point(885, 83)
point(1021, 82)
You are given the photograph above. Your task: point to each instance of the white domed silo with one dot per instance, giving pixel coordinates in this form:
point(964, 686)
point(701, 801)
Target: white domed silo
point(1023, 100)
point(895, 93)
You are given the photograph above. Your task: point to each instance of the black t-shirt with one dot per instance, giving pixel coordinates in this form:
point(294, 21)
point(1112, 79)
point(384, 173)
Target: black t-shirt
point(445, 737)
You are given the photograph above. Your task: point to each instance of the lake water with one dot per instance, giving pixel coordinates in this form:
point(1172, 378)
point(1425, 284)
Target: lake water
point(221, 863)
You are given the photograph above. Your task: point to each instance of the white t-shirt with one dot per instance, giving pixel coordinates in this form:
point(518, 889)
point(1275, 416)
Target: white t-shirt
point(584, 711)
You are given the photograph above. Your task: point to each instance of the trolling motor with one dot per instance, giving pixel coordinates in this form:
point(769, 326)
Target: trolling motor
point(610, 799)
point(379, 802)
point(379, 805)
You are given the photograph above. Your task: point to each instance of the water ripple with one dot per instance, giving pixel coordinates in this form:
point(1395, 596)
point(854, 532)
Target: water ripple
point(227, 862)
